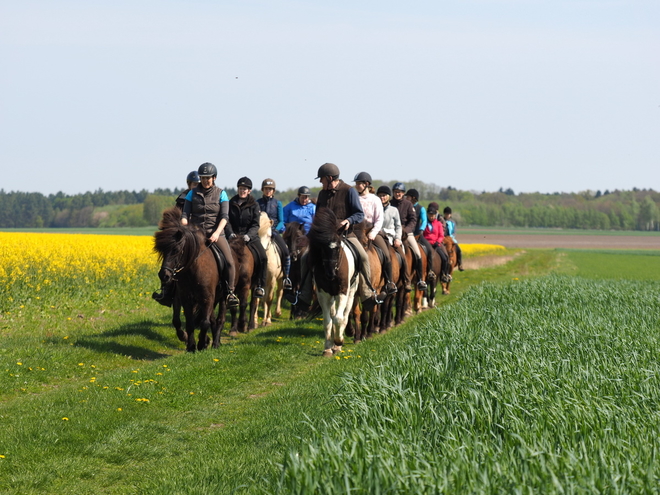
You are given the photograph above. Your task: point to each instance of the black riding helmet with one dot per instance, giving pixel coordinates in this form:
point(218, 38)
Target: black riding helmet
point(192, 177)
point(207, 170)
point(363, 177)
point(413, 193)
point(328, 169)
point(304, 191)
point(245, 182)
point(447, 210)
point(398, 187)
point(384, 190)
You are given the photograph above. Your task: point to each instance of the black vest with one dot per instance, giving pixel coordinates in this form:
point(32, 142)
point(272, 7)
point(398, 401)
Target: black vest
point(206, 208)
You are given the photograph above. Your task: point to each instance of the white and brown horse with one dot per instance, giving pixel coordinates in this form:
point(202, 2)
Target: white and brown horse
point(333, 267)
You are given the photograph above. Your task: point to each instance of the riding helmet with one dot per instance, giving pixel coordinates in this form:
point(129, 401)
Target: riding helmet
point(244, 181)
point(304, 191)
point(384, 190)
point(192, 177)
point(362, 177)
point(268, 183)
point(433, 208)
point(447, 210)
point(413, 193)
point(328, 169)
point(398, 187)
point(207, 170)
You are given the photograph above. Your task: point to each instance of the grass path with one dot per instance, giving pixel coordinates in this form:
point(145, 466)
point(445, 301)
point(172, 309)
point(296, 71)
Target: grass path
point(115, 406)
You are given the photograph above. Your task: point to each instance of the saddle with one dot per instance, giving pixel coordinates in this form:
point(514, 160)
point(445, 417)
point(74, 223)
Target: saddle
point(356, 256)
point(219, 258)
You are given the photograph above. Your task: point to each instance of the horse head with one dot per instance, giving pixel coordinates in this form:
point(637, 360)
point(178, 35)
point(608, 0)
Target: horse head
point(295, 239)
point(176, 245)
point(325, 242)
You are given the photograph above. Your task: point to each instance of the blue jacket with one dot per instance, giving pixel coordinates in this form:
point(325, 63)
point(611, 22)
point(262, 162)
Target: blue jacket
point(273, 208)
point(295, 212)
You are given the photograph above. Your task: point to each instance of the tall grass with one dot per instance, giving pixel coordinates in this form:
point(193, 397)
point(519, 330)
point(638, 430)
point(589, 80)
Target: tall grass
point(545, 385)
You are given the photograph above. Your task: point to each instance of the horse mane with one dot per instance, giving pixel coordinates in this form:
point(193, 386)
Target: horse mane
point(171, 217)
point(177, 239)
point(324, 227)
point(264, 224)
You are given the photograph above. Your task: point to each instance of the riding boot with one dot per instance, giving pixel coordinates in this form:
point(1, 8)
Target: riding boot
point(286, 283)
point(459, 258)
point(390, 287)
point(259, 291)
point(166, 294)
point(421, 285)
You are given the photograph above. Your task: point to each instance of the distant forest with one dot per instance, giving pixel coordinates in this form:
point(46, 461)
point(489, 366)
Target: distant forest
point(638, 209)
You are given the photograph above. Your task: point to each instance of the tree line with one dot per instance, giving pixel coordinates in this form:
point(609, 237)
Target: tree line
point(637, 209)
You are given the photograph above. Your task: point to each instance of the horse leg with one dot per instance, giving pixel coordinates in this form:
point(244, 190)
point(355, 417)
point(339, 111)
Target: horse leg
point(189, 314)
point(254, 305)
point(233, 331)
point(176, 320)
point(219, 322)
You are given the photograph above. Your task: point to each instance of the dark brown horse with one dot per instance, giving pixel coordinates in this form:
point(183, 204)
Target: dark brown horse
point(418, 295)
point(332, 264)
point(298, 244)
point(187, 260)
point(453, 261)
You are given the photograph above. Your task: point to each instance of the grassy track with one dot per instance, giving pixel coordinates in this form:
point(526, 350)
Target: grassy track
point(171, 422)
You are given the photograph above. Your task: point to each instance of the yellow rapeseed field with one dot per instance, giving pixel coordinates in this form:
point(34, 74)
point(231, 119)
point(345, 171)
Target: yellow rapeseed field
point(51, 266)
point(478, 249)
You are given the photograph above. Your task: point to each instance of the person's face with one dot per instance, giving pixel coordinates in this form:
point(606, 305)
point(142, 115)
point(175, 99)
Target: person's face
point(384, 198)
point(207, 182)
point(361, 186)
point(268, 192)
point(447, 216)
point(326, 182)
point(192, 185)
point(243, 192)
point(432, 216)
point(411, 199)
point(303, 199)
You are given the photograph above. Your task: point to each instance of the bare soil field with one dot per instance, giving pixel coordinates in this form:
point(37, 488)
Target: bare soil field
point(562, 241)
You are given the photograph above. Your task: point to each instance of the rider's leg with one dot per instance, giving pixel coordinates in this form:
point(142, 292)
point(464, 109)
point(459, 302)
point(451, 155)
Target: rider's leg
point(262, 262)
point(459, 256)
point(423, 241)
point(405, 268)
point(286, 259)
point(306, 291)
point(444, 262)
point(223, 245)
point(368, 291)
point(417, 255)
point(383, 245)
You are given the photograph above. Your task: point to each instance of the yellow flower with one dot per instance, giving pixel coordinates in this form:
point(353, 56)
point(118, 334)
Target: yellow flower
point(65, 419)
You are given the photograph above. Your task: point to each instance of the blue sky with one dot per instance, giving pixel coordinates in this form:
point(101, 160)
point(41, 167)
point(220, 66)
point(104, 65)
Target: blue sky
point(533, 95)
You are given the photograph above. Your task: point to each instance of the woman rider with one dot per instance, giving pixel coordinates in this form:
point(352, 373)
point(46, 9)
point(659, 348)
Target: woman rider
point(273, 209)
point(192, 180)
point(244, 214)
point(207, 207)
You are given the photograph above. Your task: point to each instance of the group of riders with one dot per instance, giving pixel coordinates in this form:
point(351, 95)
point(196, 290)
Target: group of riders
point(394, 216)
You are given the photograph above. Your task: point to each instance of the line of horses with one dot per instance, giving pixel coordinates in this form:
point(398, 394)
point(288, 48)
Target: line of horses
point(201, 289)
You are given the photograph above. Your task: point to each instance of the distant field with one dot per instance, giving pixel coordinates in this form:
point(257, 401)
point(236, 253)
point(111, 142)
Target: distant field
point(115, 231)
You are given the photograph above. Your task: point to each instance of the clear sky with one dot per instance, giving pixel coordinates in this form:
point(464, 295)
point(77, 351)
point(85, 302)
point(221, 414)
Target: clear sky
point(535, 95)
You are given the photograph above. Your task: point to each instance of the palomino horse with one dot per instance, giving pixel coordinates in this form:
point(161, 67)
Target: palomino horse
point(453, 261)
point(274, 275)
point(189, 262)
point(245, 283)
point(332, 265)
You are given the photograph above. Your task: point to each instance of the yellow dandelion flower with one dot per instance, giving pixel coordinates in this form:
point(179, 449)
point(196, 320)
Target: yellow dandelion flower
point(65, 419)
point(119, 409)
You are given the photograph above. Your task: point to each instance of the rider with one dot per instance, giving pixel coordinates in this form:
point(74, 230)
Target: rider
point(450, 227)
point(192, 180)
point(434, 233)
point(372, 207)
point(206, 206)
point(343, 200)
point(244, 214)
point(392, 229)
point(408, 223)
point(273, 209)
point(301, 209)
point(412, 195)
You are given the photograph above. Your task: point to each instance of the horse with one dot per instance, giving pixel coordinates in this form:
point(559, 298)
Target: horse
point(393, 300)
point(274, 275)
point(453, 261)
point(432, 281)
point(245, 283)
point(368, 317)
point(298, 244)
point(332, 264)
point(187, 260)
point(418, 295)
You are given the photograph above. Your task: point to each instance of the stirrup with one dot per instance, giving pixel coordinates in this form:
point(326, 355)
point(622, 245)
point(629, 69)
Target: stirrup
point(232, 300)
point(421, 285)
point(162, 298)
point(390, 288)
point(431, 275)
point(259, 292)
point(286, 284)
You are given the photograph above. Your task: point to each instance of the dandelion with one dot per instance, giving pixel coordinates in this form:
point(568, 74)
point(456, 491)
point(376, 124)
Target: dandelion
point(216, 359)
point(119, 409)
point(65, 419)
point(20, 364)
point(2, 456)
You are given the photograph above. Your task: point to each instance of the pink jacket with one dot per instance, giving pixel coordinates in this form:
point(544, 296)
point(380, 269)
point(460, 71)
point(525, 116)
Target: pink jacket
point(434, 232)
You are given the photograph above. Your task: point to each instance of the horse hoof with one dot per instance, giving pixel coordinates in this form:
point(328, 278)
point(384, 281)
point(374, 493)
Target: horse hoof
point(357, 341)
point(327, 353)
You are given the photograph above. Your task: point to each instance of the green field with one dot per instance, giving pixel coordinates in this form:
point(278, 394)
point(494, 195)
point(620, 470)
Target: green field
point(520, 382)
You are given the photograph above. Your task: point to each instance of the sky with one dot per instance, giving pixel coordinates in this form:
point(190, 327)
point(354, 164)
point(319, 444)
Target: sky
point(531, 95)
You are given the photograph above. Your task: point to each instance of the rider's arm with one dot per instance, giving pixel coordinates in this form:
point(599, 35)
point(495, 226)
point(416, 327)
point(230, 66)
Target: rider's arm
point(355, 207)
point(423, 219)
point(280, 217)
point(378, 215)
point(187, 208)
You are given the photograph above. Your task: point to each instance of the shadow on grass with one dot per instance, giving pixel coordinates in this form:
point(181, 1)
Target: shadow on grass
point(109, 341)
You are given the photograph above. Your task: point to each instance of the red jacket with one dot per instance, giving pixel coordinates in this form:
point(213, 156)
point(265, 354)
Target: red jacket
point(434, 232)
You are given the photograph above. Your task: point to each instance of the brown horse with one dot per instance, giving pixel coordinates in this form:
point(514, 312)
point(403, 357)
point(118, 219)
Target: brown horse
point(436, 267)
point(187, 260)
point(453, 261)
point(393, 300)
point(418, 295)
point(298, 244)
point(333, 267)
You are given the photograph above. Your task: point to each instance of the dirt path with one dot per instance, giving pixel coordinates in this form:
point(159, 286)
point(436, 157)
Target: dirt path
point(562, 241)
